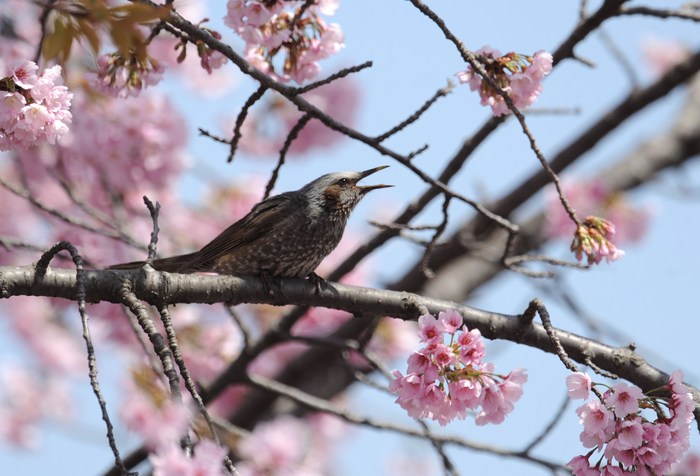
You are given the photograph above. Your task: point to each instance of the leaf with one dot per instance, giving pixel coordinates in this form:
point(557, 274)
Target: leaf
point(87, 31)
point(140, 13)
point(53, 42)
point(122, 37)
point(71, 34)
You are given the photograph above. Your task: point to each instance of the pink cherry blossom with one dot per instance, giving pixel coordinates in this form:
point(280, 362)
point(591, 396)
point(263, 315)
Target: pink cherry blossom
point(632, 438)
point(578, 385)
point(207, 460)
point(40, 328)
point(630, 433)
point(593, 239)
point(25, 75)
point(201, 68)
point(159, 424)
point(123, 76)
point(519, 76)
point(22, 408)
point(690, 464)
point(625, 399)
point(471, 346)
point(444, 380)
point(598, 423)
point(288, 445)
point(580, 466)
point(430, 328)
point(590, 197)
point(33, 109)
point(451, 320)
point(283, 32)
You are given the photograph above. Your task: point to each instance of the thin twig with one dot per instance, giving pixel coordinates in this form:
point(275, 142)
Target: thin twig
point(513, 262)
point(41, 268)
point(583, 8)
point(416, 115)
point(450, 469)
point(439, 230)
point(154, 210)
point(537, 306)
point(216, 138)
point(293, 134)
point(245, 332)
point(550, 426)
point(130, 300)
point(620, 56)
point(25, 194)
point(340, 74)
point(660, 13)
point(187, 378)
point(241, 117)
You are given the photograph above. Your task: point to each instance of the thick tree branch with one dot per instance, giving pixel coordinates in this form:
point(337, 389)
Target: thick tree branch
point(156, 287)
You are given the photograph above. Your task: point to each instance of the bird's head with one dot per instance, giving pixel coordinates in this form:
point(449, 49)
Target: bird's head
point(339, 191)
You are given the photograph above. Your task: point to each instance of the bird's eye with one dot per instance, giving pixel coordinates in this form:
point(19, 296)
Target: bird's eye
point(343, 182)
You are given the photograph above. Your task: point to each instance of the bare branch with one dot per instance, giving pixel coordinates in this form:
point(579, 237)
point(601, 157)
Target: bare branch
point(80, 294)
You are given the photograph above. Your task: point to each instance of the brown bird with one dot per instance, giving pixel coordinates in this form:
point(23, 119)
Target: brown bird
point(287, 235)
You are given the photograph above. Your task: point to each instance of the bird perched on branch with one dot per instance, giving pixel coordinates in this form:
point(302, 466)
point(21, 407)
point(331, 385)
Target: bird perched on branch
point(287, 235)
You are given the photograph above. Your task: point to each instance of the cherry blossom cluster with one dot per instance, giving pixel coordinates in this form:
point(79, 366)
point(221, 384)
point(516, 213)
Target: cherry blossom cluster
point(290, 29)
point(592, 238)
point(125, 75)
point(290, 446)
point(22, 404)
point(520, 76)
point(161, 421)
point(207, 460)
point(448, 380)
point(633, 432)
point(591, 197)
point(33, 108)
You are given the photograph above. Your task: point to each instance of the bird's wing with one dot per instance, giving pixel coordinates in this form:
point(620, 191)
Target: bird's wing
point(259, 222)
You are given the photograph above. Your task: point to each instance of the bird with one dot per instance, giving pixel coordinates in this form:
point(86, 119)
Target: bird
point(285, 236)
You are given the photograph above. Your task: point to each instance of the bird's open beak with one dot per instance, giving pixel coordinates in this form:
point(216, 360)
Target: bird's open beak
point(367, 188)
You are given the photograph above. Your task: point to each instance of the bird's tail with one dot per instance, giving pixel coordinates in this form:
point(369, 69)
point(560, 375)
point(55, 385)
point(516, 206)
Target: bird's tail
point(173, 264)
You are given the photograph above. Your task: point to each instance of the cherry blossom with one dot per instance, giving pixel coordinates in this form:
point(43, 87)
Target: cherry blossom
point(519, 76)
point(578, 385)
point(636, 433)
point(295, 32)
point(22, 403)
point(33, 108)
point(591, 197)
point(154, 417)
point(446, 380)
point(593, 239)
point(289, 445)
point(173, 461)
point(124, 76)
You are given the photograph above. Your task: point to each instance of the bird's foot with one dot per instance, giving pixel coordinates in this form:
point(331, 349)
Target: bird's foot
point(270, 284)
point(318, 282)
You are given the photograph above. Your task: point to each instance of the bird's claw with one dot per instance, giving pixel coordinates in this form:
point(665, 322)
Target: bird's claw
point(318, 282)
point(269, 284)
